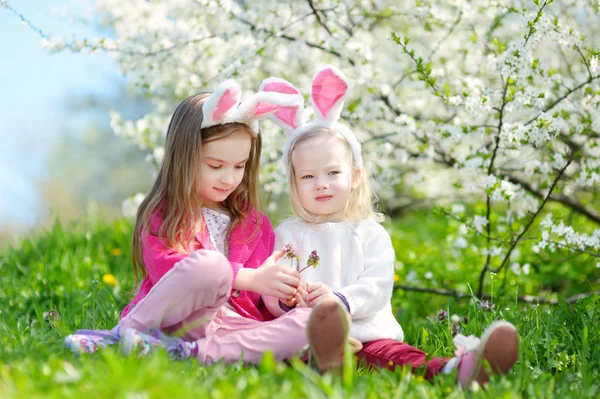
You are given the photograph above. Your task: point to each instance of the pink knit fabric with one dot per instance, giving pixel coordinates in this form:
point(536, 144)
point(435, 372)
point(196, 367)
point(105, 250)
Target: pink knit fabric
point(249, 247)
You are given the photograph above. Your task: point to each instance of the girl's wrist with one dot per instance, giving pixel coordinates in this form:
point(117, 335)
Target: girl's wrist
point(244, 279)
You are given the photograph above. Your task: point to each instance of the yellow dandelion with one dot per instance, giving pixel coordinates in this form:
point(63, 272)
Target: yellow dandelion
point(116, 251)
point(109, 279)
point(396, 278)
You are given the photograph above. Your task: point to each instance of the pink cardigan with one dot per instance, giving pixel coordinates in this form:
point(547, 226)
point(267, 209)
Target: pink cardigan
point(245, 250)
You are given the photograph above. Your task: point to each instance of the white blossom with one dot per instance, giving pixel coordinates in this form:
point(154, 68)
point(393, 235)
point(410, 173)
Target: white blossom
point(130, 205)
point(500, 115)
point(479, 222)
point(594, 65)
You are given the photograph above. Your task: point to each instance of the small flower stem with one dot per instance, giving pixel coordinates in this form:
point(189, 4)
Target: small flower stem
point(304, 268)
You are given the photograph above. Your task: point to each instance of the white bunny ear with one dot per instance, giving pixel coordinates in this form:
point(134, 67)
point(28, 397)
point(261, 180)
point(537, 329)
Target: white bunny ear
point(288, 118)
point(221, 104)
point(329, 90)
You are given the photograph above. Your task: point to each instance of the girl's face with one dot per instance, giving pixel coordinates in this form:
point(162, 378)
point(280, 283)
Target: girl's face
point(222, 167)
point(324, 176)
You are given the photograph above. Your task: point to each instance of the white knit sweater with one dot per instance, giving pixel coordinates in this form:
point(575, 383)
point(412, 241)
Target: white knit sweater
point(357, 261)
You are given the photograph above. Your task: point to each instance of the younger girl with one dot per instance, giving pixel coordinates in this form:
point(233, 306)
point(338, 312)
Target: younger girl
point(330, 195)
point(206, 254)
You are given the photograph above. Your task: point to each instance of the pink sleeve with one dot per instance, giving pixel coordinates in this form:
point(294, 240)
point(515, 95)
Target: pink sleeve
point(158, 258)
point(268, 235)
point(235, 267)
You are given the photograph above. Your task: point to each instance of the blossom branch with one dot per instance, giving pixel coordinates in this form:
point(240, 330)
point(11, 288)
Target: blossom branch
point(561, 98)
point(448, 160)
point(524, 230)
point(423, 69)
point(531, 24)
point(24, 20)
point(396, 111)
point(563, 199)
point(319, 17)
point(296, 39)
point(587, 66)
point(171, 48)
point(73, 47)
point(450, 31)
point(513, 237)
point(491, 171)
point(569, 68)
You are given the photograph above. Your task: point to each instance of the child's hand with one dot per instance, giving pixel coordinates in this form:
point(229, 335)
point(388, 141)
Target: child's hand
point(300, 295)
point(316, 292)
point(281, 282)
point(290, 303)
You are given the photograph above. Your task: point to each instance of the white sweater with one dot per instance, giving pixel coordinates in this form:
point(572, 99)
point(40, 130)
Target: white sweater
point(357, 261)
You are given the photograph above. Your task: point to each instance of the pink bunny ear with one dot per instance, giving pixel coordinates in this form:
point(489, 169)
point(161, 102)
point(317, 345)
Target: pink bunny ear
point(263, 104)
point(230, 98)
point(329, 89)
point(288, 118)
point(223, 102)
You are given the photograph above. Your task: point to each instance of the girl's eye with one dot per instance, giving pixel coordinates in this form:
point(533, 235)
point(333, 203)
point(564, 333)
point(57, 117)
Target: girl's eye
point(241, 166)
point(307, 176)
point(214, 166)
point(334, 172)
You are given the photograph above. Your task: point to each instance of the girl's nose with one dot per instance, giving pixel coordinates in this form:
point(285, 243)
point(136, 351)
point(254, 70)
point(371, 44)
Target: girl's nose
point(322, 186)
point(227, 178)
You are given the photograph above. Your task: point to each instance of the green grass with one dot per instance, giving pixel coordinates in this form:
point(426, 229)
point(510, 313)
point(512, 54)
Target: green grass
point(52, 284)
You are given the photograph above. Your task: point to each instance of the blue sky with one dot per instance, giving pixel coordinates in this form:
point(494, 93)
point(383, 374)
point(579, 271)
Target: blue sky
point(34, 85)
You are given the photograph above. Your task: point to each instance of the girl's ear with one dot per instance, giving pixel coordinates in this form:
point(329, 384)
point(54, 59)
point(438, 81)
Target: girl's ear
point(289, 118)
point(329, 90)
point(221, 104)
point(356, 177)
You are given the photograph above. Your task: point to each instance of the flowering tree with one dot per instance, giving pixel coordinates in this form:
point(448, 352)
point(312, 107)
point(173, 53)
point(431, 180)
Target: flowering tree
point(490, 101)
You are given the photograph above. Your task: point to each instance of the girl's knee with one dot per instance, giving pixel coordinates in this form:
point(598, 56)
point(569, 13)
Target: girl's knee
point(207, 268)
point(301, 315)
point(296, 322)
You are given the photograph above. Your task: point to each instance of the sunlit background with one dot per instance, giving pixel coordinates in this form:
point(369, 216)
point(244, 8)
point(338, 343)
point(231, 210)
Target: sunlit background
point(58, 155)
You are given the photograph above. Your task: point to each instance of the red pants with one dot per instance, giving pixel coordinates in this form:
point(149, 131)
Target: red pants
point(390, 354)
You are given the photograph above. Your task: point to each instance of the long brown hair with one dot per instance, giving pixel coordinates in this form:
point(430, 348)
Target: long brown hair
point(175, 194)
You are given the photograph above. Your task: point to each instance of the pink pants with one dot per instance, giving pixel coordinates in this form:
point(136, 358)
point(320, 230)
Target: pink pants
point(390, 354)
point(190, 301)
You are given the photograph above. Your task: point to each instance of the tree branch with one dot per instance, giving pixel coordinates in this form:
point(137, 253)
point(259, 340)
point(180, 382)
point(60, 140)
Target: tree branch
point(524, 299)
point(516, 241)
point(587, 66)
point(563, 199)
point(295, 39)
point(69, 46)
point(450, 31)
point(396, 111)
point(488, 200)
point(317, 14)
point(558, 100)
point(532, 24)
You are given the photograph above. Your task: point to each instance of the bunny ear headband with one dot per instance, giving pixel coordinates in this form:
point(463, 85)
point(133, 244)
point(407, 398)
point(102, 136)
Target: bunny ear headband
point(328, 92)
point(224, 106)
